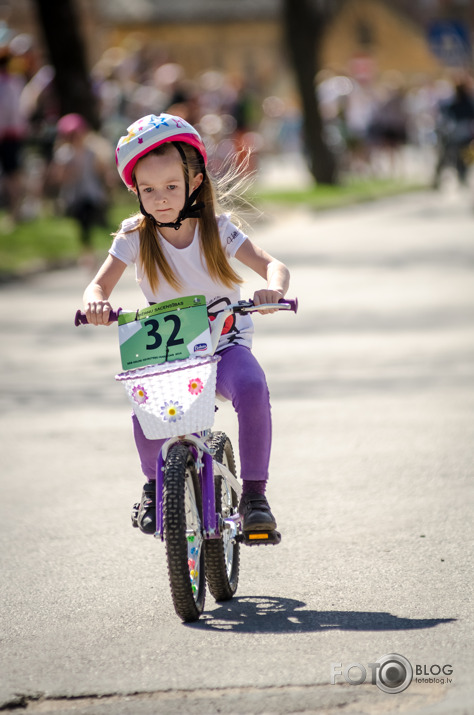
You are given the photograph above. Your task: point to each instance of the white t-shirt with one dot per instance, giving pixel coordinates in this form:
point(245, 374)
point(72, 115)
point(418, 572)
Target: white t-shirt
point(189, 266)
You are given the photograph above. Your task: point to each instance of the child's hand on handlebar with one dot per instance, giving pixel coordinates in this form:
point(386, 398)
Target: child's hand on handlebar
point(98, 312)
point(267, 296)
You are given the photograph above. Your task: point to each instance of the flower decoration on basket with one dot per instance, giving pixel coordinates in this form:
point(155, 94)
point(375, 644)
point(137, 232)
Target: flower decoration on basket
point(139, 394)
point(171, 411)
point(195, 386)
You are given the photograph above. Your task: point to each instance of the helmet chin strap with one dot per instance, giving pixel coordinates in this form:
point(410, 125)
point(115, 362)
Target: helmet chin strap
point(191, 208)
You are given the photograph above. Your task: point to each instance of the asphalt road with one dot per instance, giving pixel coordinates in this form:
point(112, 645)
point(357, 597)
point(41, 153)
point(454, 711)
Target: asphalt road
point(373, 393)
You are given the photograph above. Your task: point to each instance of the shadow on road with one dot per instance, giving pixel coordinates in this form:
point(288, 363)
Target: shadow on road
point(261, 614)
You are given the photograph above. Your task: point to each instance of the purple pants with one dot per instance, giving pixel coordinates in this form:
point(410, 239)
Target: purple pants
point(241, 380)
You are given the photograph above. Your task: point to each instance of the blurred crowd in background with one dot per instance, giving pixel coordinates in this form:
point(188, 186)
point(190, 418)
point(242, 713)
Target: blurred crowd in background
point(368, 123)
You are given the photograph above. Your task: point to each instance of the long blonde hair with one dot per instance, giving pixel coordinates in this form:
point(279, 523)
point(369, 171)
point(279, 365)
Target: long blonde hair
point(153, 259)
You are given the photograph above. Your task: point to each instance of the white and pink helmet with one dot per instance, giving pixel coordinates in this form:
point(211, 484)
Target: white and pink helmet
point(149, 132)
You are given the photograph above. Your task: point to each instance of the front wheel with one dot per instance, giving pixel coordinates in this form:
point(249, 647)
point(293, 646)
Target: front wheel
point(182, 517)
point(223, 555)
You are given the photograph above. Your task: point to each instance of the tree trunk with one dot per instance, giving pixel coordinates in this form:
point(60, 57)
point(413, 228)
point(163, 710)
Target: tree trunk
point(60, 24)
point(304, 26)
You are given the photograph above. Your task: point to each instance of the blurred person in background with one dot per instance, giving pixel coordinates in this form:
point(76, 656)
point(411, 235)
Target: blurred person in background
point(40, 107)
point(455, 132)
point(388, 131)
point(178, 94)
point(356, 112)
point(247, 142)
point(13, 132)
point(81, 170)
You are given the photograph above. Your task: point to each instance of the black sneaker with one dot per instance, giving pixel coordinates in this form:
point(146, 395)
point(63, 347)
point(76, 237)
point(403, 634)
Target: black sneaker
point(146, 519)
point(255, 512)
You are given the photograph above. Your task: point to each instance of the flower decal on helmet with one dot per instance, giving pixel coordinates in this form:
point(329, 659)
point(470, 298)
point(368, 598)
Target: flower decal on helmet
point(139, 394)
point(171, 411)
point(129, 136)
point(195, 386)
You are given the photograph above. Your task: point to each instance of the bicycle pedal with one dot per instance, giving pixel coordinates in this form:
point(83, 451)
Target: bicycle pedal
point(258, 538)
point(134, 515)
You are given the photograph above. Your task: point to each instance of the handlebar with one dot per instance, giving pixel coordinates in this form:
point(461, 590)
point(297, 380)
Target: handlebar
point(81, 318)
point(248, 306)
point(243, 306)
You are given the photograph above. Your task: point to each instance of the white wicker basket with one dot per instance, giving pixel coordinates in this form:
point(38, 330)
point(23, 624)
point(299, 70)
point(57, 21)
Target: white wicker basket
point(174, 398)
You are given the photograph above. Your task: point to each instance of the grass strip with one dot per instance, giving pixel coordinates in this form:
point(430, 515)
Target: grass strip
point(325, 196)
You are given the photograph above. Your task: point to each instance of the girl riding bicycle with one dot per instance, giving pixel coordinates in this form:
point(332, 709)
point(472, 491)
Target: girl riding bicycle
point(181, 246)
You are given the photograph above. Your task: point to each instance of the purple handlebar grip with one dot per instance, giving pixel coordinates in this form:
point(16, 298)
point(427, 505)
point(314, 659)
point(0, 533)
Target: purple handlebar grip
point(292, 302)
point(81, 319)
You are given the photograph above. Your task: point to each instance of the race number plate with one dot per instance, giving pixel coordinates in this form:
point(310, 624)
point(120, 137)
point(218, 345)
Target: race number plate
point(174, 330)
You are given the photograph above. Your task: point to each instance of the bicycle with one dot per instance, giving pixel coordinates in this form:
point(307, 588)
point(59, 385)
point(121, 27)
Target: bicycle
point(197, 490)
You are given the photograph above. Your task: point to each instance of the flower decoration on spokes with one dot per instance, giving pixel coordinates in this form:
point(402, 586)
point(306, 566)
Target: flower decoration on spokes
point(139, 394)
point(195, 386)
point(171, 411)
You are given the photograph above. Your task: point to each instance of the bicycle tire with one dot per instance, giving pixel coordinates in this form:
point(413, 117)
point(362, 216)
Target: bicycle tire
point(222, 556)
point(182, 520)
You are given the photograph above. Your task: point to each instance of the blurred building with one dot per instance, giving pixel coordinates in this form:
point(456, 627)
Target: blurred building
point(243, 37)
point(246, 37)
point(372, 37)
